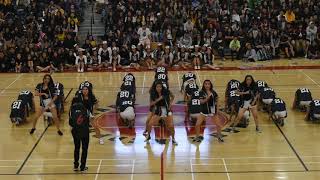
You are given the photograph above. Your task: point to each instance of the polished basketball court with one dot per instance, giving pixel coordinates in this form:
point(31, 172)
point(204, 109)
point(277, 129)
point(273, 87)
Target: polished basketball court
point(289, 152)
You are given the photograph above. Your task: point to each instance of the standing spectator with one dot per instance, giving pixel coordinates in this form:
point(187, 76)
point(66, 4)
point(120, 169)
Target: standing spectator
point(311, 34)
point(144, 35)
point(275, 43)
point(235, 47)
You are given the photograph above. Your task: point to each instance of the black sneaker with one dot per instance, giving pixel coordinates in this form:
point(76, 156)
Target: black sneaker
point(220, 139)
point(174, 142)
point(32, 130)
point(75, 169)
point(234, 131)
point(281, 122)
point(84, 169)
point(145, 133)
point(148, 137)
point(60, 133)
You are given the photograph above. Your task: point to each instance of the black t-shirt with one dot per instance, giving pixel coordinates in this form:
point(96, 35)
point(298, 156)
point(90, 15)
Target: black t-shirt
point(188, 76)
point(252, 92)
point(315, 107)
point(165, 102)
point(128, 86)
point(161, 77)
point(194, 105)
point(303, 94)
point(232, 85)
point(124, 100)
point(261, 85)
point(86, 84)
point(268, 93)
point(26, 96)
point(18, 109)
point(210, 104)
point(278, 105)
point(190, 88)
point(51, 91)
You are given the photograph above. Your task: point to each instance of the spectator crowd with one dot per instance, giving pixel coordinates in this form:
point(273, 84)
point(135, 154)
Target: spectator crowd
point(42, 36)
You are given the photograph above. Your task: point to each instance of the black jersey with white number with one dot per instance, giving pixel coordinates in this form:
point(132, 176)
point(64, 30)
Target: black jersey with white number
point(124, 100)
point(26, 96)
point(315, 107)
point(268, 93)
point(260, 85)
point(60, 91)
point(191, 87)
point(188, 76)
point(161, 70)
point(232, 85)
point(303, 94)
point(129, 77)
point(86, 84)
point(18, 109)
point(128, 86)
point(161, 77)
point(194, 104)
point(210, 106)
point(278, 105)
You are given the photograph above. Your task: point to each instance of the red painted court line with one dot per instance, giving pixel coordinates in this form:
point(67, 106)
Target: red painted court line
point(161, 168)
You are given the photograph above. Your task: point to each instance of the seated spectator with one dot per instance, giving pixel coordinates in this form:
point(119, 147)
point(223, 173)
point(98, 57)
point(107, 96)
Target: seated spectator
point(251, 54)
point(116, 58)
point(313, 51)
point(235, 47)
point(275, 43)
point(134, 57)
point(220, 45)
point(81, 60)
point(286, 45)
point(148, 59)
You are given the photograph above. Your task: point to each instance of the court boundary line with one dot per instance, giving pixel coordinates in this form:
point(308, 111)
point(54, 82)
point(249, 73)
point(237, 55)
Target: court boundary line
point(33, 148)
point(14, 81)
point(98, 170)
point(306, 75)
point(291, 146)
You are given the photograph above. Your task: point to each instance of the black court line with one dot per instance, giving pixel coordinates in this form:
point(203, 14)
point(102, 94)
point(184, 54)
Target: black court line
point(291, 146)
point(67, 95)
point(33, 148)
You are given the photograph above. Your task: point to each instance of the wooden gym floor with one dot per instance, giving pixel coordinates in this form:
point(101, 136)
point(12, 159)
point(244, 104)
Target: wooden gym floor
point(291, 152)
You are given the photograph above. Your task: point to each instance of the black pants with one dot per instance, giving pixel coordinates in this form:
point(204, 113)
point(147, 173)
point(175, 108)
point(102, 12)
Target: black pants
point(80, 138)
point(237, 54)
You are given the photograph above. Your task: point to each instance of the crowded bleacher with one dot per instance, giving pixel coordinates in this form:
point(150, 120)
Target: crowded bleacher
point(42, 36)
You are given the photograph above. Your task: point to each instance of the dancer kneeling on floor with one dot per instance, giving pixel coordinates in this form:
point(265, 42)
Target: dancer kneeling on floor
point(302, 99)
point(313, 112)
point(278, 111)
point(161, 101)
point(125, 107)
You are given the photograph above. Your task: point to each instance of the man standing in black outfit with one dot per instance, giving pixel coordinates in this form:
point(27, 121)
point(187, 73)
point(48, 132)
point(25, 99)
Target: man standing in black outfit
point(79, 121)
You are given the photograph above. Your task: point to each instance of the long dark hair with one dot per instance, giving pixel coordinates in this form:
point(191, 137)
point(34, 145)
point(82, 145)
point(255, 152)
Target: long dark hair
point(51, 83)
point(244, 83)
point(90, 93)
point(211, 85)
point(154, 88)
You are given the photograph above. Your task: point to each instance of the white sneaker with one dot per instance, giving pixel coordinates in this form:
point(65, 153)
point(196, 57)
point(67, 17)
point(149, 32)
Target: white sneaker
point(199, 67)
point(101, 141)
point(82, 70)
point(79, 70)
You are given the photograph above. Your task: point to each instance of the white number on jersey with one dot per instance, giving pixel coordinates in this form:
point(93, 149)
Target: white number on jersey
point(16, 105)
point(191, 75)
point(196, 93)
point(195, 102)
point(124, 94)
point(127, 83)
point(316, 102)
point(234, 85)
point(161, 70)
point(261, 84)
point(192, 86)
point(127, 103)
point(162, 76)
point(278, 101)
point(128, 78)
point(24, 92)
point(268, 89)
point(233, 94)
point(304, 90)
